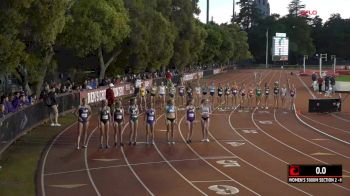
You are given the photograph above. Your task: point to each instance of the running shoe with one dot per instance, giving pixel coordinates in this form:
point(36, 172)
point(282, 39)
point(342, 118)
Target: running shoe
point(84, 146)
point(101, 146)
point(107, 146)
point(57, 125)
point(53, 124)
point(207, 140)
point(121, 144)
point(78, 147)
point(203, 140)
point(169, 142)
point(134, 143)
point(172, 142)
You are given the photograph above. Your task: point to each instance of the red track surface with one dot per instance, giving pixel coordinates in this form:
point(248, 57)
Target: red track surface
point(254, 162)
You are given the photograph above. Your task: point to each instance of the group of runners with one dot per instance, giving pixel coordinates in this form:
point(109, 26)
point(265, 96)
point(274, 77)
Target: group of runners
point(200, 97)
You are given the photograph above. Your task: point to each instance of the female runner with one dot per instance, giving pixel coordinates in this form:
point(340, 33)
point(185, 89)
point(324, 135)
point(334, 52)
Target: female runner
point(83, 112)
point(198, 93)
point(118, 123)
point(266, 97)
point(292, 97)
point(212, 92)
point(205, 90)
point(276, 92)
point(283, 95)
point(170, 120)
point(189, 91)
point(250, 96)
point(243, 96)
point(205, 113)
point(153, 94)
point(181, 90)
point(105, 117)
point(234, 94)
point(191, 116)
point(134, 116)
point(143, 96)
point(258, 96)
point(161, 92)
point(220, 93)
point(150, 119)
point(227, 95)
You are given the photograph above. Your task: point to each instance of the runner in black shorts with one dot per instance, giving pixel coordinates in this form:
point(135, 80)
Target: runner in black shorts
point(212, 92)
point(205, 114)
point(191, 116)
point(267, 92)
point(220, 94)
point(105, 117)
point(170, 120)
point(150, 119)
point(276, 93)
point(83, 113)
point(118, 123)
point(134, 116)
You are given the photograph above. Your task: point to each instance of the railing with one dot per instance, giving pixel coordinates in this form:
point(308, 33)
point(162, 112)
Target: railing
point(17, 124)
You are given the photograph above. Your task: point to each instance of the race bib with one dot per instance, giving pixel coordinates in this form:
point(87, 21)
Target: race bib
point(119, 116)
point(104, 117)
point(191, 115)
point(151, 118)
point(84, 115)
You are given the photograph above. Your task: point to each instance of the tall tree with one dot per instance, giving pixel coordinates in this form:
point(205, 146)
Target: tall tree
point(295, 7)
point(97, 27)
point(249, 14)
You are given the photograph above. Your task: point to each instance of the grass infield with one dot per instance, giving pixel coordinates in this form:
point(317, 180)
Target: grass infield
point(343, 78)
point(20, 161)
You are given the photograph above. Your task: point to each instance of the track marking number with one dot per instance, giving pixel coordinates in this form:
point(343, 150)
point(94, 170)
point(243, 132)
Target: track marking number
point(264, 112)
point(235, 144)
point(249, 131)
point(224, 189)
point(266, 122)
point(228, 163)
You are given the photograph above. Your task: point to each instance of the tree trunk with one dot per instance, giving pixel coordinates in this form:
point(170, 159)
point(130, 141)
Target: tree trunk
point(103, 66)
point(45, 64)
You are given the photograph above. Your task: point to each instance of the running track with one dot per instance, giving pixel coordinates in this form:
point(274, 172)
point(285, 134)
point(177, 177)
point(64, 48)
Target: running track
point(243, 155)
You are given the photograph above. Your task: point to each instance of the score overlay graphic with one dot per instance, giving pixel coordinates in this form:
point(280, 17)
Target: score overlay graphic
point(315, 174)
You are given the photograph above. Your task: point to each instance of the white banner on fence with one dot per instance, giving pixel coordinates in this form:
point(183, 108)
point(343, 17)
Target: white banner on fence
point(217, 71)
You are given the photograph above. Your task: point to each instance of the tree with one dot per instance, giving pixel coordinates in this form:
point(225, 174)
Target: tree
point(97, 27)
point(249, 14)
point(294, 7)
point(32, 27)
point(212, 45)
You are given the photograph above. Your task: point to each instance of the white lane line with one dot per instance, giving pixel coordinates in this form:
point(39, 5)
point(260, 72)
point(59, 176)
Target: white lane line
point(331, 136)
point(45, 157)
point(347, 157)
point(132, 169)
point(282, 181)
point(170, 165)
point(87, 165)
point(317, 122)
point(340, 118)
point(212, 166)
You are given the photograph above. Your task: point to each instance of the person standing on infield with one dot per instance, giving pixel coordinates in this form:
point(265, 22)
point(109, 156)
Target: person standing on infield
point(83, 112)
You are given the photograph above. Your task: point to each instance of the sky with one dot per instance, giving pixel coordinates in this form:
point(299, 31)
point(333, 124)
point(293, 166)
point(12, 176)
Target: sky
point(221, 10)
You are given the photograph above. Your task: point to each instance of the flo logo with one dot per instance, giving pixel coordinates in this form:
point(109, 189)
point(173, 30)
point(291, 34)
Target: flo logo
point(307, 12)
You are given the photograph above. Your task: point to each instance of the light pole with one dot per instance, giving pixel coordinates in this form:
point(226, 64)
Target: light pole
point(334, 62)
point(305, 57)
point(267, 48)
point(207, 11)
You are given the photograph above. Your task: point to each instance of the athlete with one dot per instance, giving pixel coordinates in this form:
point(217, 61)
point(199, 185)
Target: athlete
point(191, 116)
point(134, 116)
point(150, 119)
point(161, 93)
point(258, 96)
point(292, 94)
point(276, 92)
point(189, 91)
point(153, 94)
point(212, 92)
point(234, 94)
point(266, 97)
point(205, 114)
point(283, 95)
point(181, 90)
point(250, 97)
point(227, 91)
point(105, 117)
point(243, 94)
point(170, 120)
point(205, 90)
point(220, 94)
point(118, 123)
point(143, 96)
point(197, 93)
point(172, 90)
point(83, 112)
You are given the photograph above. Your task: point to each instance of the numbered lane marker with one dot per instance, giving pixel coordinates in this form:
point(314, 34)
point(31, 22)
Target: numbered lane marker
point(264, 112)
point(243, 111)
point(250, 131)
point(235, 144)
point(265, 122)
point(228, 163)
point(224, 189)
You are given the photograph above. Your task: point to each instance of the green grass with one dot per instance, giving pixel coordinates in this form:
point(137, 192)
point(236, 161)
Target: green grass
point(19, 161)
point(343, 78)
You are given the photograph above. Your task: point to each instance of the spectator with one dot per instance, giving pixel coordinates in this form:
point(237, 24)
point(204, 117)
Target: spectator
point(2, 111)
point(320, 82)
point(51, 102)
point(110, 95)
point(326, 83)
point(16, 102)
point(332, 81)
point(314, 79)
